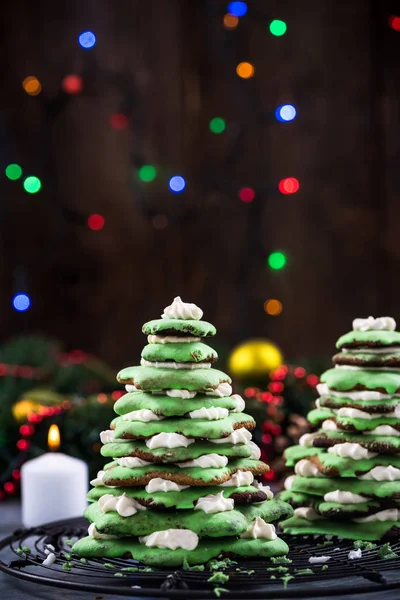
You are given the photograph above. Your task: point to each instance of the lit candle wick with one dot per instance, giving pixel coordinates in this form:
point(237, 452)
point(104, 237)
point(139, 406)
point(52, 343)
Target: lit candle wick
point(53, 438)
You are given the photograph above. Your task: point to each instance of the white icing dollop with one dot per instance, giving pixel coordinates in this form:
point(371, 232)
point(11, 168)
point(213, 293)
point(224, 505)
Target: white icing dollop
point(158, 484)
point(390, 514)
point(314, 560)
point(131, 388)
point(168, 440)
point(239, 436)
point(372, 324)
point(107, 436)
point(123, 505)
point(240, 403)
point(289, 481)
point(171, 339)
point(354, 554)
point(214, 413)
point(264, 488)
point(182, 310)
point(355, 413)
point(98, 479)
point(366, 395)
point(238, 479)
point(343, 497)
point(171, 539)
point(132, 462)
point(306, 468)
point(184, 394)
point(255, 450)
point(259, 529)
point(214, 503)
point(329, 425)
point(224, 389)
point(92, 532)
point(144, 414)
point(383, 430)
point(174, 365)
point(307, 512)
point(49, 560)
point(379, 473)
point(207, 461)
point(351, 450)
point(306, 440)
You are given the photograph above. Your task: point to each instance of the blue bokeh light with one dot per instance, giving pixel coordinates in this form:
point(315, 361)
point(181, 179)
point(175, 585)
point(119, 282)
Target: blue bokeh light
point(21, 302)
point(286, 112)
point(239, 9)
point(87, 39)
point(177, 184)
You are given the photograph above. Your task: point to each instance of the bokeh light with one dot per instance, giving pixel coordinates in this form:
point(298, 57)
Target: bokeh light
point(238, 9)
point(32, 184)
point(32, 85)
point(277, 260)
point(119, 121)
point(273, 307)
point(286, 112)
point(13, 171)
point(177, 184)
point(87, 39)
point(96, 222)
point(21, 302)
point(147, 173)
point(289, 185)
point(247, 194)
point(245, 70)
point(394, 22)
point(277, 27)
point(72, 84)
point(230, 21)
point(217, 125)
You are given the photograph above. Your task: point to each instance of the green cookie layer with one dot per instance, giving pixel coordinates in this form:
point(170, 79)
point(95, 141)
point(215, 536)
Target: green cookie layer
point(368, 338)
point(318, 415)
point(356, 379)
point(170, 407)
point(379, 406)
point(194, 352)
point(346, 529)
point(347, 467)
point(194, 428)
point(296, 453)
point(151, 379)
point(296, 498)
point(391, 359)
point(163, 557)
point(382, 444)
point(184, 499)
point(179, 327)
point(334, 509)
point(320, 486)
point(172, 455)
point(184, 476)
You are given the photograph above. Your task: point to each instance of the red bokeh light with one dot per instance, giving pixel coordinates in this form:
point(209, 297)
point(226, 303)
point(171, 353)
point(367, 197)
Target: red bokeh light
point(26, 430)
point(276, 387)
point(249, 392)
point(9, 487)
point(23, 445)
point(72, 84)
point(394, 22)
point(313, 379)
point(289, 185)
point(266, 396)
point(119, 121)
point(117, 394)
point(266, 438)
point(96, 222)
point(247, 194)
point(299, 372)
point(270, 475)
point(3, 369)
point(16, 474)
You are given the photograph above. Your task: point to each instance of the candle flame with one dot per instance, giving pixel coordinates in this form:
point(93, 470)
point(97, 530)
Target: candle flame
point(53, 438)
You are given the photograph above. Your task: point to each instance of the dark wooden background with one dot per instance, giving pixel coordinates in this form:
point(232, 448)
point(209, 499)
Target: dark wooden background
point(338, 63)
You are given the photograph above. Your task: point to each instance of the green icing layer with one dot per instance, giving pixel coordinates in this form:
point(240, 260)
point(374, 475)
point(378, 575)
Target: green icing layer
point(179, 326)
point(183, 476)
point(375, 338)
point(296, 453)
point(383, 444)
point(169, 407)
point(171, 455)
point(318, 415)
point(195, 428)
point(348, 379)
point(319, 486)
point(180, 352)
point(368, 405)
point(160, 557)
point(347, 529)
point(184, 499)
point(297, 498)
point(152, 379)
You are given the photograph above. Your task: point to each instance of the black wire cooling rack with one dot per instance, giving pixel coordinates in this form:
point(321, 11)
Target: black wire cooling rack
point(23, 553)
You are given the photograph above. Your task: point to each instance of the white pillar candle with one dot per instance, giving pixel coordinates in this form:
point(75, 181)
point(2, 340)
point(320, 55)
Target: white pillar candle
point(54, 486)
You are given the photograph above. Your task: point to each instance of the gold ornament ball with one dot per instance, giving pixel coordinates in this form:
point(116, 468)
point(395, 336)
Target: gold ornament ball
point(254, 358)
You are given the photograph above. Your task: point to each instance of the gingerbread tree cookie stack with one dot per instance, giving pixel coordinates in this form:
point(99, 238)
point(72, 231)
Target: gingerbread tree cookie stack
point(181, 482)
point(347, 478)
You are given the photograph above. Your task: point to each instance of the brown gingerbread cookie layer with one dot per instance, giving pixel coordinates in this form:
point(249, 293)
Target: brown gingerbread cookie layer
point(367, 360)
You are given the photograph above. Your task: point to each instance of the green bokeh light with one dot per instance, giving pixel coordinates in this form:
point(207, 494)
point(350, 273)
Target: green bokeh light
point(13, 171)
point(276, 260)
point(277, 27)
point(147, 173)
point(32, 184)
point(217, 125)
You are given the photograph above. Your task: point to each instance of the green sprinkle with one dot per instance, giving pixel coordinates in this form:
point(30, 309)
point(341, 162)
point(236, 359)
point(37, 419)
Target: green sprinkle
point(282, 560)
point(67, 555)
point(187, 567)
point(67, 567)
point(119, 575)
point(218, 591)
point(19, 551)
point(304, 571)
point(286, 579)
point(84, 561)
point(108, 566)
point(26, 549)
point(364, 545)
point(386, 552)
point(131, 569)
point(324, 567)
point(249, 572)
point(273, 577)
point(218, 577)
point(215, 564)
point(278, 569)
point(69, 543)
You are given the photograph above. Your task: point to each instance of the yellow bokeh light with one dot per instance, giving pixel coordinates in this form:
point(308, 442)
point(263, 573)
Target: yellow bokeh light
point(254, 358)
point(245, 70)
point(273, 307)
point(230, 21)
point(32, 85)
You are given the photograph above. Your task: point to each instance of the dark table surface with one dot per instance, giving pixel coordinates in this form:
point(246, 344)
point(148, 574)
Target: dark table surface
point(15, 589)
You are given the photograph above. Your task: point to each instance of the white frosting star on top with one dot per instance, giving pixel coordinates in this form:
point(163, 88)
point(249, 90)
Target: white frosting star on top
point(374, 324)
point(182, 310)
